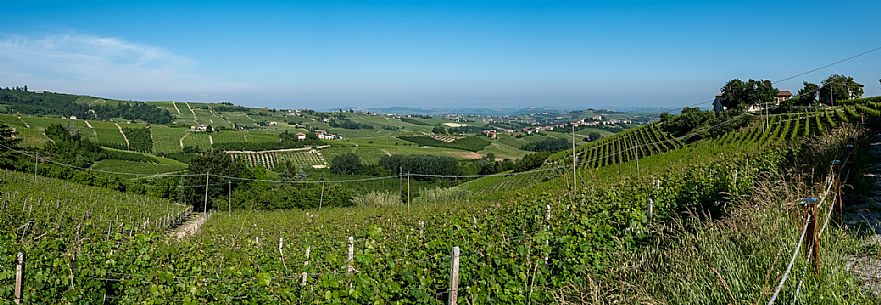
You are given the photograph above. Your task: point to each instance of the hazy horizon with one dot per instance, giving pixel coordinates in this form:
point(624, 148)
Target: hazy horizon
point(443, 54)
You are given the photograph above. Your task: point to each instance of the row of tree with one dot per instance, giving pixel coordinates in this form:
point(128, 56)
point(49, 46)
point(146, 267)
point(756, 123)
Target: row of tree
point(739, 95)
point(66, 105)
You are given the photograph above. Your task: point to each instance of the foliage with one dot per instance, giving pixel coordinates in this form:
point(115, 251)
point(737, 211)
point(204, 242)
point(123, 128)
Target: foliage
point(469, 143)
point(739, 95)
point(530, 162)
point(8, 141)
point(346, 164)
point(213, 162)
point(419, 164)
point(414, 121)
point(376, 199)
point(348, 124)
point(807, 95)
point(139, 139)
point(549, 144)
point(266, 196)
point(48, 103)
point(839, 87)
point(69, 147)
point(441, 195)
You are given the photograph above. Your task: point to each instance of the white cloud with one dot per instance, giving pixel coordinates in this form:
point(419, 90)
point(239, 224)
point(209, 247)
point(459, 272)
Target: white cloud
point(96, 65)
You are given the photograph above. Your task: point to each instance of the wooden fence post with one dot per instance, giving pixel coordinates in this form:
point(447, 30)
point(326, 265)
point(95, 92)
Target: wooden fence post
point(454, 277)
point(19, 278)
point(812, 242)
point(305, 265)
point(547, 229)
point(650, 210)
point(351, 256)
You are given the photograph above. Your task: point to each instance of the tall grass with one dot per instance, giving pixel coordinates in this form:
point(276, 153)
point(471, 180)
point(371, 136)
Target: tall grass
point(443, 195)
point(376, 199)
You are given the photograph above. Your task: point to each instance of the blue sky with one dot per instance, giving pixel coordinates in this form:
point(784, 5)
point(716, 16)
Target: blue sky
point(323, 54)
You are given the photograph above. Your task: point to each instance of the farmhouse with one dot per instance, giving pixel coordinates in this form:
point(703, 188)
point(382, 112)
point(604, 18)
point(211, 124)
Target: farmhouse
point(782, 96)
point(301, 136)
point(322, 134)
point(490, 133)
point(200, 127)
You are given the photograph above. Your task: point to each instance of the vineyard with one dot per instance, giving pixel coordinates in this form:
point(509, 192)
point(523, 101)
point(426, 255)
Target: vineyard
point(469, 143)
point(271, 159)
point(59, 224)
point(95, 245)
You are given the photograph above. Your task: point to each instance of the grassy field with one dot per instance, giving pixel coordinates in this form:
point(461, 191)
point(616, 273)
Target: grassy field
point(136, 167)
point(167, 139)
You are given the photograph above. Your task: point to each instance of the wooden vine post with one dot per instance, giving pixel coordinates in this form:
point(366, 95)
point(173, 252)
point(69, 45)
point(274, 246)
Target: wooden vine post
point(19, 278)
point(547, 229)
point(205, 209)
point(836, 187)
point(454, 277)
point(305, 265)
point(812, 242)
point(351, 255)
point(650, 210)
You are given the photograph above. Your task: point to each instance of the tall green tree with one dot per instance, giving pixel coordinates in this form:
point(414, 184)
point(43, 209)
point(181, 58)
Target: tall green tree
point(8, 141)
point(215, 163)
point(807, 95)
point(346, 164)
point(839, 87)
point(739, 95)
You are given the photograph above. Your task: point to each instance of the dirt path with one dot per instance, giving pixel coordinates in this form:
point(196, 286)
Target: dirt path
point(123, 135)
point(181, 141)
point(175, 107)
point(87, 124)
point(190, 226)
point(191, 109)
point(867, 216)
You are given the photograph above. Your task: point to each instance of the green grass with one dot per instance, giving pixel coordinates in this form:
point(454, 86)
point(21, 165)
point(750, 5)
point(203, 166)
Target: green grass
point(107, 132)
point(167, 139)
point(136, 167)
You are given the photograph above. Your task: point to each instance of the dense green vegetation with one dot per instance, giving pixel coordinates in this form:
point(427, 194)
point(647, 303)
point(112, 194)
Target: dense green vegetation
point(57, 104)
point(139, 139)
point(547, 145)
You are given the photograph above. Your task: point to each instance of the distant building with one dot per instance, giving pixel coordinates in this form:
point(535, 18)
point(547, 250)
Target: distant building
point(490, 133)
point(301, 136)
point(200, 127)
point(322, 134)
point(782, 96)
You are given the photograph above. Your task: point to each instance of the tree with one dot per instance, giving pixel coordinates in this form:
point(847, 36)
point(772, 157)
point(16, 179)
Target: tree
point(439, 130)
point(216, 163)
point(733, 94)
point(7, 143)
point(807, 95)
point(593, 136)
point(839, 87)
point(739, 95)
point(345, 164)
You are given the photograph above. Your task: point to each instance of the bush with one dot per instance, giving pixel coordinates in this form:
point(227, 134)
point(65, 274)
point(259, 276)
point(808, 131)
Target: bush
point(547, 145)
point(346, 164)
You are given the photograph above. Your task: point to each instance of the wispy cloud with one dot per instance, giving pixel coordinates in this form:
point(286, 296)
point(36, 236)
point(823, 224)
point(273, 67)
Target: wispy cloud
point(97, 65)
